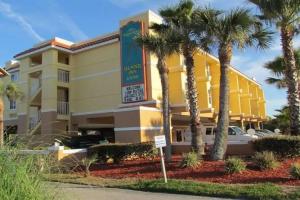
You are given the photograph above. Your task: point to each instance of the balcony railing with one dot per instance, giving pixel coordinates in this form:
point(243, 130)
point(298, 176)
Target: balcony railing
point(34, 120)
point(62, 108)
point(63, 76)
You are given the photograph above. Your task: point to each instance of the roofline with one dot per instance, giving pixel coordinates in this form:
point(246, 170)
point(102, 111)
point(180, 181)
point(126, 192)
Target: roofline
point(4, 72)
point(68, 48)
point(231, 67)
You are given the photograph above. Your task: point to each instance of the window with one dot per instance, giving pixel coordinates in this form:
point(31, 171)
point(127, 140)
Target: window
point(179, 136)
point(14, 76)
point(208, 131)
point(231, 131)
point(12, 105)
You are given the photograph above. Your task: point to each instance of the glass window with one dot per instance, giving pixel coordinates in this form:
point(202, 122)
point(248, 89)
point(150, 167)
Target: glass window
point(208, 131)
point(231, 131)
point(12, 105)
point(238, 130)
point(178, 136)
point(14, 76)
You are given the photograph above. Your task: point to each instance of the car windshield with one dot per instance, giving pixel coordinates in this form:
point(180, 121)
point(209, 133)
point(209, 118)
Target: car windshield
point(267, 131)
point(238, 130)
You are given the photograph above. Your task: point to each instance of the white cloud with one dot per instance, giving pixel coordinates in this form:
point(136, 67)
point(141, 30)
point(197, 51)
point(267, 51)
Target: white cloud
point(7, 11)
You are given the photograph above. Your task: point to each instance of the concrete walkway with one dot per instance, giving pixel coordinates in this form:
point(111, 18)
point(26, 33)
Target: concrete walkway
point(85, 192)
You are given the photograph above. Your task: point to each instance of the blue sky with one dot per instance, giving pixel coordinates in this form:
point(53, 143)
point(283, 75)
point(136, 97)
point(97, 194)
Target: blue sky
point(24, 23)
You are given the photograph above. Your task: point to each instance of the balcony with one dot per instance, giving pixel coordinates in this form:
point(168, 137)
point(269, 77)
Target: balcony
point(62, 108)
point(63, 76)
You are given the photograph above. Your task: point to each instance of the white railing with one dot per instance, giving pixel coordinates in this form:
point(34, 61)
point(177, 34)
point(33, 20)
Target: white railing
point(34, 121)
point(63, 76)
point(62, 108)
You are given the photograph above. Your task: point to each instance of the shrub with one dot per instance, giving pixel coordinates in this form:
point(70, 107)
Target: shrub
point(119, 152)
point(283, 146)
point(265, 160)
point(190, 160)
point(87, 162)
point(295, 170)
point(234, 165)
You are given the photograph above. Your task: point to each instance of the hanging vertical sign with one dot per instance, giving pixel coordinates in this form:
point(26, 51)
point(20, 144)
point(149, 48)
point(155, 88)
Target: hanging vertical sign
point(132, 64)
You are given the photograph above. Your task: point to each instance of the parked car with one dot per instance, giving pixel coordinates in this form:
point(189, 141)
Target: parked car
point(236, 135)
point(264, 133)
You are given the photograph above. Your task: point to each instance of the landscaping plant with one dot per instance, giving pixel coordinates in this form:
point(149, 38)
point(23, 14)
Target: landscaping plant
point(295, 170)
point(119, 152)
point(265, 160)
point(21, 177)
point(87, 162)
point(283, 146)
point(234, 165)
point(190, 160)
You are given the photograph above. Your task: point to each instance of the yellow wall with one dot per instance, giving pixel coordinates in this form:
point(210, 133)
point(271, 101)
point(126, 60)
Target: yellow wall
point(95, 81)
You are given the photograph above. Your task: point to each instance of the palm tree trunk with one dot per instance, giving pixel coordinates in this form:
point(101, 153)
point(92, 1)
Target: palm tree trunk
point(220, 143)
point(291, 79)
point(192, 94)
point(1, 123)
point(164, 78)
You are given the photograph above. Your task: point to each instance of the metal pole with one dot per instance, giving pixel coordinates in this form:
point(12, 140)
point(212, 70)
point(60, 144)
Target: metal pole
point(163, 168)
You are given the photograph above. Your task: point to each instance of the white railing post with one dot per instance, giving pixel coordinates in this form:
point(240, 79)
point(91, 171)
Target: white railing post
point(62, 108)
point(63, 76)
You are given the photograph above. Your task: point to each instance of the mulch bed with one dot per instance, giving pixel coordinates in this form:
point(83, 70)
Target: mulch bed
point(208, 171)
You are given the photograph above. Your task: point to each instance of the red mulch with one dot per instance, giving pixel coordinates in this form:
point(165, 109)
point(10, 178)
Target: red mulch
point(208, 171)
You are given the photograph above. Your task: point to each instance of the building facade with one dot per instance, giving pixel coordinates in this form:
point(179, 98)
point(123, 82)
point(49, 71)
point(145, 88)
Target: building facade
point(110, 85)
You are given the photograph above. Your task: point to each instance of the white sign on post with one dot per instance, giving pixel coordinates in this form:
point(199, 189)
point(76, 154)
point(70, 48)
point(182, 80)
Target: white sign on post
point(160, 142)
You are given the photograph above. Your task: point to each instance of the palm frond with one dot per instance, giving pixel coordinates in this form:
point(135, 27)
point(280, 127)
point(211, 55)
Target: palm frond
point(12, 91)
point(279, 83)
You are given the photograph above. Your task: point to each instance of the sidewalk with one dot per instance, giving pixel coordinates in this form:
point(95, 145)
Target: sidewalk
point(84, 192)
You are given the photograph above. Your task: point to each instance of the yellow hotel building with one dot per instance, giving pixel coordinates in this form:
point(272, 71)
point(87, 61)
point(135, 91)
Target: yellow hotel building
point(108, 85)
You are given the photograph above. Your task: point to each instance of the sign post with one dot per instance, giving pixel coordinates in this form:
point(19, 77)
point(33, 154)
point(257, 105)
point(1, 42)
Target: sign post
point(160, 142)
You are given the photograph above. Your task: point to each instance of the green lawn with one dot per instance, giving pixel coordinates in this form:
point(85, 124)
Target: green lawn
point(249, 191)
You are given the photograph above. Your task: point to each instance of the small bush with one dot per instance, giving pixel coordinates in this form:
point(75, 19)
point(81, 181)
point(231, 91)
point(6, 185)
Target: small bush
point(234, 165)
point(119, 152)
point(265, 160)
point(295, 170)
point(283, 146)
point(190, 160)
point(87, 162)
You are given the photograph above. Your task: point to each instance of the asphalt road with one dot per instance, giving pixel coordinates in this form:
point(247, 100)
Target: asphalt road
point(84, 192)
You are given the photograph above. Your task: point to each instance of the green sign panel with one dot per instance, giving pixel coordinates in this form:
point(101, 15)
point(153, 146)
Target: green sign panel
point(132, 64)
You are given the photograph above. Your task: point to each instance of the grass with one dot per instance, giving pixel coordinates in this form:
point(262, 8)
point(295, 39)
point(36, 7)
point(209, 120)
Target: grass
point(253, 191)
point(21, 177)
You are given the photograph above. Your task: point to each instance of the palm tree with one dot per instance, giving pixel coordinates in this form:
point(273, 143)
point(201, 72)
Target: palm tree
point(12, 92)
point(277, 68)
point(285, 14)
point(180, 20)
point(226, 30)
point(162, 45)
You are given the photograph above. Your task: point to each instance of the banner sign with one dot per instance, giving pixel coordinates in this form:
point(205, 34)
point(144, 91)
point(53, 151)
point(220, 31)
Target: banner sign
point(132, 64)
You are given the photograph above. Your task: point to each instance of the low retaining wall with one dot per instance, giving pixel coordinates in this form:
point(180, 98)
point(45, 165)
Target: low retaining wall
point(68, 156)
